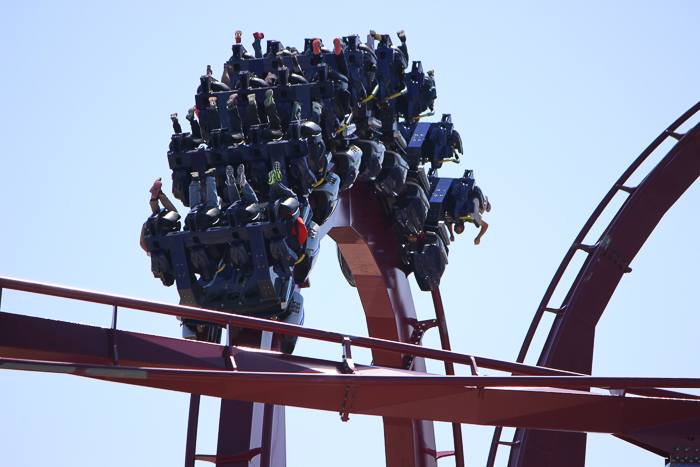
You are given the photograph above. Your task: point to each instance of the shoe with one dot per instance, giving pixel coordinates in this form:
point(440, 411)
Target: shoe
point(269, 99)
point(232, 101)
point(190, 114)
point(317, 46)
point(173, 117)
point(402, 35)
point(229, 176)
point(241, 175)
point(209, 72)
point(212, 102)
point(211, 172)
point(375, 35)
point(338, 46)
point(271, 79)
point(239, 33)
point(251, 99)
point(258, 35)
point(275, 174)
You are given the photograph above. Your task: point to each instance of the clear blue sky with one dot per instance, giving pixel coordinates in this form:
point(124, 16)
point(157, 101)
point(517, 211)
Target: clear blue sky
point(553, 101)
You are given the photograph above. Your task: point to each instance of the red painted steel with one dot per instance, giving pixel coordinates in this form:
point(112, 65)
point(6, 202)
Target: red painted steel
point(368, 243)
point(246, 426)
point(192, 425)
point(449, 370)
point(569, 345)
point(51, 340)
point(481, 400)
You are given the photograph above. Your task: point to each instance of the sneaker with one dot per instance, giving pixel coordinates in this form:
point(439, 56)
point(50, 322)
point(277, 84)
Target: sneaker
point(402, 35)
point(211, 172)
point(209, 72)
point(229, 176)
point(212, 102)
point(241, 175)
point(338, 46)
point(375, 35)
point(173, 117)
point(258, 35)
point(251, 99)
point(239, 33)
point(271, 79)
point(317, 46)
point(232, 101)
point(269, 99)
point(275, 173)
point(190, 114)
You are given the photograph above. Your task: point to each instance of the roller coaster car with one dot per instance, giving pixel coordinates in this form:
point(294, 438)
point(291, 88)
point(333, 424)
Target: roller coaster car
point(392, 178)
point(420, 93)
point(347, 165)
point(240, 213)
point(434, 143)
point(429, 262)
point(202, 217)
point(324, 198)
point(307, 261)
point(410, 210)
point(372, 159)
point(161, 224)
point(244, 294)
point(252, 258)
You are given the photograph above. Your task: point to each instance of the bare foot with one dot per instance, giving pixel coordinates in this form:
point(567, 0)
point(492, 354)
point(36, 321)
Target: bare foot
point(476, 241)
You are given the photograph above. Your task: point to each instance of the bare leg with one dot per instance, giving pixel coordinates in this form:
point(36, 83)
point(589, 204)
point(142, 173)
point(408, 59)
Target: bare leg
point(484, 227)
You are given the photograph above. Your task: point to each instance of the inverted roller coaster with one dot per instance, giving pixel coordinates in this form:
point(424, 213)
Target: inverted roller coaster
point(239, 265)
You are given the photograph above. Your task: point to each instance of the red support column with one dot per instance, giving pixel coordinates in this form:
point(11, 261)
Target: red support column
point(249, 429)
point(368, 243)
point(192, 424)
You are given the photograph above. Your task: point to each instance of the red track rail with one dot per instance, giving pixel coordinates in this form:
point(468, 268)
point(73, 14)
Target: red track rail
point(569, 345)
point(226, 319)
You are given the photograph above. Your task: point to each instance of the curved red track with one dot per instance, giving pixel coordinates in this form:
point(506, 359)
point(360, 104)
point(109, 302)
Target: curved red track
point(569, 345)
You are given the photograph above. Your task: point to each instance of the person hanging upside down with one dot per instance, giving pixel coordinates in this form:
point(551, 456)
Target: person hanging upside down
point(157, 195)
point(479, 204)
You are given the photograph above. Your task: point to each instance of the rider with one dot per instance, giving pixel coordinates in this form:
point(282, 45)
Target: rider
point(478, 203)
point(156, 196)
